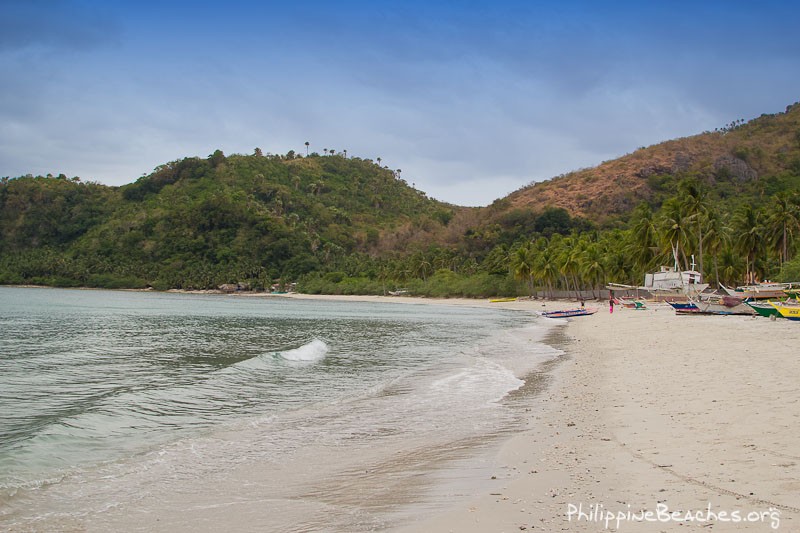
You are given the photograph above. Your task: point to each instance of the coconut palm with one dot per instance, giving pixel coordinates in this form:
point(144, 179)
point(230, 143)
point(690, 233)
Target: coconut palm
point(749, 231)
point(522, 264)
point(694, 198)
point(674, 224)
point(592, 267)
point(783, 222)
point(545, 266)
point(717, 238)
point(643, 246)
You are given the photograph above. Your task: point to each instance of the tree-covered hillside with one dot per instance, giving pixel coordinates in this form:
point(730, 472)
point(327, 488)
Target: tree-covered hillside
point(739, 160)
point(730, 199)
point(198, 223)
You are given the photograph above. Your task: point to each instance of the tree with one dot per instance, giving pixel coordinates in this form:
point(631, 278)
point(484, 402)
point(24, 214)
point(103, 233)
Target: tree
point(694, 199)
point(782, 224)
point(749, 228)
point(546, 263)
point(522, 264)
point(675, 233)
point(717, 237)
point(591, 265)
point(217, 158)
point(307, 145)
point(643, 245)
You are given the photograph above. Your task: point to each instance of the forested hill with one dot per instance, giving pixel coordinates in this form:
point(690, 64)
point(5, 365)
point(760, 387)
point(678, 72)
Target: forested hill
point(742, 158)
point(197, 223)
point(729, 199)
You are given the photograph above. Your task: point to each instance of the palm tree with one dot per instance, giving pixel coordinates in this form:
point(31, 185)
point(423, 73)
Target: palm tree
point(675, 229)
point(643, 245)
point(522, 264)
point(782, 223)
point(694, 197)
point(717, 237)
point(749, 229)
point(379, 161)
point(421, 267)
point(730, 265)
point(307, 145)
point(545, 267)
point(569, 262)
point(592, 268)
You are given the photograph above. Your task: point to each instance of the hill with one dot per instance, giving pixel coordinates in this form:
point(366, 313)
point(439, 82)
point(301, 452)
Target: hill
point(196, 223)
point(729, 199)
point(733, 160)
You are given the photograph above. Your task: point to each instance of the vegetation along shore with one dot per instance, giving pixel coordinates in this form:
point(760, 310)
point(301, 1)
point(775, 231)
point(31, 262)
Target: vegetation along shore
point(337, 224)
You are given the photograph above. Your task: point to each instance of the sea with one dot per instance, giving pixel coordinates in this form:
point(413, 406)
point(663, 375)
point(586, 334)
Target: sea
point(149, 411)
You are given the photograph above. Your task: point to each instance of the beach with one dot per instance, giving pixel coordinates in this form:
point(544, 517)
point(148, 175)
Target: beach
point(636, 420)
point(652, 422)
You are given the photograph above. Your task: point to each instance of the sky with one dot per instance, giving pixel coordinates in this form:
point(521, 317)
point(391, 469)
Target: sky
point(472, 100)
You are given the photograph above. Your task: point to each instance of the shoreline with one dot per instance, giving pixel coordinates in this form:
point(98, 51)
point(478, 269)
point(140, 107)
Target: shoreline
point(645, 412)
point(649, 411)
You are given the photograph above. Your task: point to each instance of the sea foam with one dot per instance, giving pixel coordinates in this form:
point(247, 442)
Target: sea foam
point(312, 351)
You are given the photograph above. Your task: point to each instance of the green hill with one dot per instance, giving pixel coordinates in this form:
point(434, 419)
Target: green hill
point(731, 198)
point(198, 223)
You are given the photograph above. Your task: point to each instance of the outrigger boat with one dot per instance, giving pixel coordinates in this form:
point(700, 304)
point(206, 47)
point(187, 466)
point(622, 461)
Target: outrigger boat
point(765, 309)
point(792, 312)
point(760, 291)
point(628, 303)
point(713, 304)
point(566, 313)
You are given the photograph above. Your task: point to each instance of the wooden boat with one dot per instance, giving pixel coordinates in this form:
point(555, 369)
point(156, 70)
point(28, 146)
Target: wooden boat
point(672, 282)
point(630, 303)
point(792, 312)
point(764, 309)
point(712, 304)
point(759, 291)
point(566, 313)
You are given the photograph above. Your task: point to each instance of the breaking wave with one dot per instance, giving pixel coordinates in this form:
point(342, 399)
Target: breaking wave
point(312, 351)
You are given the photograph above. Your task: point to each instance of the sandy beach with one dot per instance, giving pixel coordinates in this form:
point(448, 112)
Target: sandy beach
point(648, 421)
point(652, 422)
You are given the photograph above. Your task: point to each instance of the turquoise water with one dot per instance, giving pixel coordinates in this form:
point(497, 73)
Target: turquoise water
point(109, 401)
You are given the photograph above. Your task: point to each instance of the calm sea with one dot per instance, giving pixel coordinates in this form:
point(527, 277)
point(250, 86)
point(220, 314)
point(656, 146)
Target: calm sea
point(161, 411)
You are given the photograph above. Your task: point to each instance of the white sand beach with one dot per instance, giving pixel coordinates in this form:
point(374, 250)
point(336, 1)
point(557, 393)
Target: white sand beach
point(649, 422)
point(675, 420)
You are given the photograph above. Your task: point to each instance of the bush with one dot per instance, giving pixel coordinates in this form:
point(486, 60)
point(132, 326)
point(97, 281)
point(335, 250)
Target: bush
point(111, 281)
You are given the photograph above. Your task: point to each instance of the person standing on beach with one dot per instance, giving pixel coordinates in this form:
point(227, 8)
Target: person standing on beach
point(611, 305)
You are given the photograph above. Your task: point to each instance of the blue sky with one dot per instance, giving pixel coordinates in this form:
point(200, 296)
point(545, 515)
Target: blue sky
point(472, 100)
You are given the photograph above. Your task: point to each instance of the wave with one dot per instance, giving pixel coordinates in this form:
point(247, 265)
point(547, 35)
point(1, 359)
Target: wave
point(310, 352)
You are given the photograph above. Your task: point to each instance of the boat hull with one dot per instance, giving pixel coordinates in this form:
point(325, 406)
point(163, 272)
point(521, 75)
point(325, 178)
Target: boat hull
point(713, 306)
point(567, 313)
point(791, 312)
point(764, 309)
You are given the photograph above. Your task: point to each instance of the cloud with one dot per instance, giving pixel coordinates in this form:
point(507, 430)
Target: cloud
point(54, 24)
point(471, 100)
